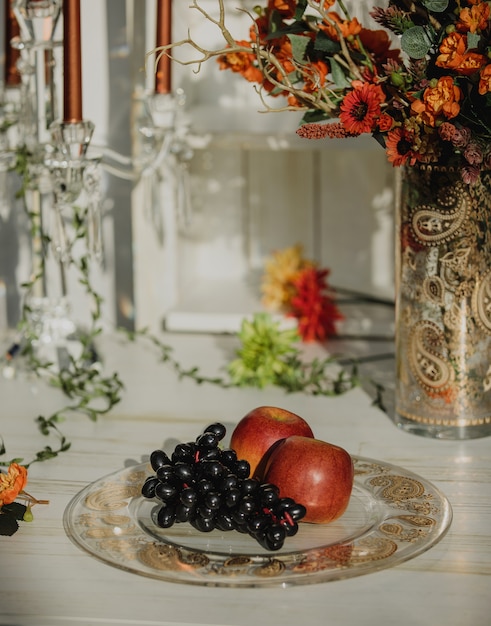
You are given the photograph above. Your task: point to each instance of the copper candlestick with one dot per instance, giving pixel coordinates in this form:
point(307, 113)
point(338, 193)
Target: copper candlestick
point(72, 62)
point(12, 74)
point(163, 38)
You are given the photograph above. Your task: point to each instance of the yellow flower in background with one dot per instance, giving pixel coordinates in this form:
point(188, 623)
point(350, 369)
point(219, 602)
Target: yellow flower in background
point(280, 274)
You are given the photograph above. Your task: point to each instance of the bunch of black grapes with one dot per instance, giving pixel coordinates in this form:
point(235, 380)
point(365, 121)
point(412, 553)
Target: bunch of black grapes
point(207, 486)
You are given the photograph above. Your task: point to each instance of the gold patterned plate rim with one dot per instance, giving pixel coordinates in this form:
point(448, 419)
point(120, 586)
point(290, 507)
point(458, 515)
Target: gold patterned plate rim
point(394, 515)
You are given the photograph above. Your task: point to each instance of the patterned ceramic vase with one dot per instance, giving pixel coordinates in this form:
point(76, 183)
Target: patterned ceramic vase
point(443, 304)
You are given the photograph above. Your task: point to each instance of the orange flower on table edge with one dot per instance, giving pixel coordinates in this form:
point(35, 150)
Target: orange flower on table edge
point(12, 483)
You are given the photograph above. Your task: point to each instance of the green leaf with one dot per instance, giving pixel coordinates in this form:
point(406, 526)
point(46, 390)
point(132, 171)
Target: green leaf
point(415, 42)
point(9, 514)
point(299, 46)
point(473, 40)
point(300, 10)
point(315, 115)
point(437, 6)
point(338, 75)
point(323, 43)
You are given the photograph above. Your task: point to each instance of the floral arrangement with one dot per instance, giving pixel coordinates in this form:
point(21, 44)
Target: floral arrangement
point(12, 483)
point(299, 288)
point(426, 99)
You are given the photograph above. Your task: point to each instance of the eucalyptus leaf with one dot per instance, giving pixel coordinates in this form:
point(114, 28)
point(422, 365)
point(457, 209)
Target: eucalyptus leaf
point(415, 42)
point(473, 40)
point(299, 46)
point(437, 6)
point(338, 75)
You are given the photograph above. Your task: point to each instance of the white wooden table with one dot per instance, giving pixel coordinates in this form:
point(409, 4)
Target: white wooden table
point(46, 580)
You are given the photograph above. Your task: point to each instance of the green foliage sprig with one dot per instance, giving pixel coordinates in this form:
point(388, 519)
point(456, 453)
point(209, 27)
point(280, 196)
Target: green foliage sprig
point(267, 356)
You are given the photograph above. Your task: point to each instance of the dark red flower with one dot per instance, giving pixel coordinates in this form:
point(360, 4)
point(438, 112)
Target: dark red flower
point(313, 305)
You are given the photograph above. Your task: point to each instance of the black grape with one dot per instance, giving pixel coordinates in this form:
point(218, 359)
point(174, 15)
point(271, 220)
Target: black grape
point(210, 488)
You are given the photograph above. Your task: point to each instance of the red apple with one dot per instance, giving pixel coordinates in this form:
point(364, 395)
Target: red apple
point(314, 473)
point(260, 429)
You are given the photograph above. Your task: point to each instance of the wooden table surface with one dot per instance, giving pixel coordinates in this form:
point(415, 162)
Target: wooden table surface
point(46, 580)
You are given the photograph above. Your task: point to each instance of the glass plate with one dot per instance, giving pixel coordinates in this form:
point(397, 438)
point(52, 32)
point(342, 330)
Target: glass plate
point(393, 516)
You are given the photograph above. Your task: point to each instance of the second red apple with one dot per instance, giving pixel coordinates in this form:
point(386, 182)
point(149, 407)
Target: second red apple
point(314, 473)
point(260, 429)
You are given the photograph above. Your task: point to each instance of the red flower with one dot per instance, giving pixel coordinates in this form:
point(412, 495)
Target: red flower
point(399, 147)
point(313, 307)
point(361, 108)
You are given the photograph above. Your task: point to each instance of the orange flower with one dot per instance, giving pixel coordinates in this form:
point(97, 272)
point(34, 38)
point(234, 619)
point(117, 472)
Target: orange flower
point(361, 108)
point(241, 63)
point(452, 49)
point(326, 4)
point(472, 62)
point(12, 483)
point(285, 7)
point(454, 56)
point(439, 101)
point(315, 76)
point(485, 82)
point(347, 28)
point(474, 18)
point(284, 54)
point(399, 147)
point(385, 122)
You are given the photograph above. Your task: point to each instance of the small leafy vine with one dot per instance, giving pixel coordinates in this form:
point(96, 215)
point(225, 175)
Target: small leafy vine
point(80, 379)
point(267, 356)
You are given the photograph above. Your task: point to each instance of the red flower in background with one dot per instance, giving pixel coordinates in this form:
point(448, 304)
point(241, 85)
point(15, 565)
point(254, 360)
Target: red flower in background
point(313, 306)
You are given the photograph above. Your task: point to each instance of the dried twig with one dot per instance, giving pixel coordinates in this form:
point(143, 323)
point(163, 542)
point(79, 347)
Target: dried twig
point(323, 100)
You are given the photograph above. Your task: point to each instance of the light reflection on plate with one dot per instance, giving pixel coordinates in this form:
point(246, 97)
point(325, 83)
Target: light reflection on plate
point(393, 516)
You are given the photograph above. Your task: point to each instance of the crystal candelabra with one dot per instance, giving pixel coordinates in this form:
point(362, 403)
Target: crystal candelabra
point(61, 170)
point(60, 180)
point(164, 150)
